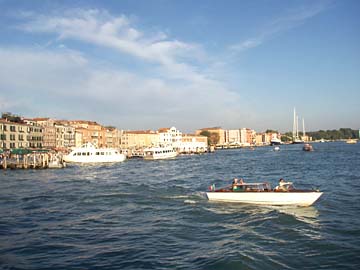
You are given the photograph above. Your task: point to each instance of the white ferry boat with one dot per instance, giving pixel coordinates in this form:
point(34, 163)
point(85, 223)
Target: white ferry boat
point(88, 153)
point(160, 152)
point(261, 193)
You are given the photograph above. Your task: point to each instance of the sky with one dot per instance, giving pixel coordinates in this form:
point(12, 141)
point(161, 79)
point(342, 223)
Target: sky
point(148, 64)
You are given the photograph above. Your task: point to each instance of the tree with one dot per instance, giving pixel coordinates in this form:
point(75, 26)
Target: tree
point(213, 137)
point(286, 137)
point(11, 117)
point(271, 131)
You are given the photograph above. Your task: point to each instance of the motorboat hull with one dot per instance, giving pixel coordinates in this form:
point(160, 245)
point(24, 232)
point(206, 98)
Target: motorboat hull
point(160, 156)
point(94, 159)
point(297, 198)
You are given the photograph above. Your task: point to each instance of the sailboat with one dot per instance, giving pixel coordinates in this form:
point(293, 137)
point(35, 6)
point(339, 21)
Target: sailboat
point(295, 134)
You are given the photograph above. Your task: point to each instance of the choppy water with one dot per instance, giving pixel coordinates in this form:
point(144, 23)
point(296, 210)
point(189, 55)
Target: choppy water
point(153, 214)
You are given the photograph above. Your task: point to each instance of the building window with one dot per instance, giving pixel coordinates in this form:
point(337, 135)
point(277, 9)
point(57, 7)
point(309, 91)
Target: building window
point(12, 137)
point(12, 128)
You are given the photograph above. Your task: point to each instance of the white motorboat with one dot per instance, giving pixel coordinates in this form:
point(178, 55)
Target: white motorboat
point(261, 193)
point(160, 152)
point(308, 147)
point(275, 141)
point(88, 153)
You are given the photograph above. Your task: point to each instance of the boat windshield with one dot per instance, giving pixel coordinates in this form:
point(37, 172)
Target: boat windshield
point(252, 187)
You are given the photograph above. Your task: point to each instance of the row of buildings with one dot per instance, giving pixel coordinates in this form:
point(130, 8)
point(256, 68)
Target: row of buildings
point(240, 137)
point(64, 134)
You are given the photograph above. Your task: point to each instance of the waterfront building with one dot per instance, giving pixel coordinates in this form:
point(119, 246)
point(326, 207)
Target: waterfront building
point(170, 136)
point(136, 139)
point(49, 132)
point(112, 137)
point(35, 136)
point(79, 137)
point(232, 137)
point(247, 136)
point(90, 132)
point(65, 135)
point(191, 143)
point(20, 135)
point(260, 138)
point(217, 130)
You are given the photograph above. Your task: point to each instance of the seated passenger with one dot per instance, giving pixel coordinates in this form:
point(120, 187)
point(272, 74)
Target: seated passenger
point(234, 185)
point(283, 186)
point(238, 185)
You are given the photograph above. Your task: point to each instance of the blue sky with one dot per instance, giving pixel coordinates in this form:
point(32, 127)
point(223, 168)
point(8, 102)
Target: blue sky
point(190, 64)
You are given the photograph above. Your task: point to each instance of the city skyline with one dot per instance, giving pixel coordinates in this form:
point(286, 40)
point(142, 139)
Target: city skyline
point(151, 64)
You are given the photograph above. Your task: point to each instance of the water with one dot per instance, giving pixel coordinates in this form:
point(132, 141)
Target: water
point(154, 215)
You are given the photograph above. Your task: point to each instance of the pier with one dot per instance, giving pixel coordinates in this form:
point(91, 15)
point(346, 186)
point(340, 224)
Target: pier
point(25, 159)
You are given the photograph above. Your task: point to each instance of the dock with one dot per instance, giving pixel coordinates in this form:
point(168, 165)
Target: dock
point(31, 161)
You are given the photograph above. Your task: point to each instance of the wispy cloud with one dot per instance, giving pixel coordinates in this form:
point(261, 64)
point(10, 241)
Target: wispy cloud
point(281, 24)
point(102, 29)
point(174, 90)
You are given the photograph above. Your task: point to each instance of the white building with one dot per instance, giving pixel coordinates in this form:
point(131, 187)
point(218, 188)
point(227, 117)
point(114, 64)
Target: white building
point(170, 136)
point(232, 137)
point(193, 144)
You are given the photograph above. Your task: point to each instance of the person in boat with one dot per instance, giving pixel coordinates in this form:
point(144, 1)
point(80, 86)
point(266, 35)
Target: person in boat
point(237, 184)
point(234, 185)
point(284, 186)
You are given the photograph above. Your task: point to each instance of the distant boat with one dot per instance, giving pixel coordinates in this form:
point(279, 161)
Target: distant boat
point(160, 152)
point(295, 133)
point(276, 148)
point(351, 141)
point(308, 147)
point(88, 153)
point(275, 141)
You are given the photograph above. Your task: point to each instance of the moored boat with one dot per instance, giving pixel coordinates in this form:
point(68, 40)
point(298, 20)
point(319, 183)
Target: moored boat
point(351, 141)
point(263, 194)
point(88, 153)
point(160, 152)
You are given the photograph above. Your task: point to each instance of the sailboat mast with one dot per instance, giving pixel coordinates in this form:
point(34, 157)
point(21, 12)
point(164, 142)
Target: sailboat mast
point(297, 127)
point(303, 127)
point(294, 125)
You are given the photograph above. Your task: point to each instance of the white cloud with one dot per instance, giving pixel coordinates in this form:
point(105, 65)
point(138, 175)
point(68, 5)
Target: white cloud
point(171, 89)
point(64, 84)
point(281, 24)
point(100, 28)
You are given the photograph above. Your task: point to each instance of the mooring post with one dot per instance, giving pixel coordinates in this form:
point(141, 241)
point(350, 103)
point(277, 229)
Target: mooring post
point(4, 162)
